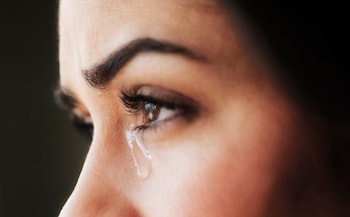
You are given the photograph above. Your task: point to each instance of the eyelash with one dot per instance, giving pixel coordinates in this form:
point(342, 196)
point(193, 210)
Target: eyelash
point(135, 104)
point(83, 127)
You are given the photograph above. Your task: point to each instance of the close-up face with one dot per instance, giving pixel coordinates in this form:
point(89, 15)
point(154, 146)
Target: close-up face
point(184, 120)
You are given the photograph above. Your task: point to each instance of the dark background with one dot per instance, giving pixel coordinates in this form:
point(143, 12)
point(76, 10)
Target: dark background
point(40, 156)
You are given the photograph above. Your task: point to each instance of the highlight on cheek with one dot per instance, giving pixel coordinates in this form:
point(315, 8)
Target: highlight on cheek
point(139, 150)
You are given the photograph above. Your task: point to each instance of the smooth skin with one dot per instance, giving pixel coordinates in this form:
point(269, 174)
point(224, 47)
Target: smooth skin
point(230, 159)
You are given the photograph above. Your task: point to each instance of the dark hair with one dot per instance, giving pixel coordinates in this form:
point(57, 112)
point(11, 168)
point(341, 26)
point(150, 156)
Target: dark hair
point(306, 43)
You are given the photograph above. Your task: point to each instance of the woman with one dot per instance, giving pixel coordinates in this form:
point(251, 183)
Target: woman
point(186, 119)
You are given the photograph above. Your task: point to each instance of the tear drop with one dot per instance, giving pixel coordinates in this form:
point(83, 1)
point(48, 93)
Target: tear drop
point(140, 153)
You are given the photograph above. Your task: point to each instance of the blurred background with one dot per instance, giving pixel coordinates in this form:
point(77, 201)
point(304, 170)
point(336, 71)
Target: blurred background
point(40, 155)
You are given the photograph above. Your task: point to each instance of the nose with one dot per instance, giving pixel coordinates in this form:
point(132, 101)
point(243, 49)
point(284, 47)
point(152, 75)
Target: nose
point(99, 191)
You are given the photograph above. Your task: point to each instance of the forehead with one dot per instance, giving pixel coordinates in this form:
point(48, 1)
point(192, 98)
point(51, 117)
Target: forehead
point(94, 20)
point(90, 30)
point(92, 15)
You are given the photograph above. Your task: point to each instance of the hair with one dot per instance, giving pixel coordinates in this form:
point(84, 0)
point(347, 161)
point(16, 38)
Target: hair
point(304, 45)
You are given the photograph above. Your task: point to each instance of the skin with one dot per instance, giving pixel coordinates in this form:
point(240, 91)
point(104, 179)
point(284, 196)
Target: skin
point(231, 159)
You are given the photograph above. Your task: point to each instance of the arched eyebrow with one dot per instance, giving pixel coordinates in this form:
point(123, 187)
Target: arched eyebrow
point(100, 75)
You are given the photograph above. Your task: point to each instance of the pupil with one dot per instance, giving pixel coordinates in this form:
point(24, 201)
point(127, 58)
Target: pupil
point(149, 107)
point(150, 111)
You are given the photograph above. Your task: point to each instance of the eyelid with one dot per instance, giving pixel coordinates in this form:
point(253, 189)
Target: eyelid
point(83, 126)
point(156, 94)
point(64, 99)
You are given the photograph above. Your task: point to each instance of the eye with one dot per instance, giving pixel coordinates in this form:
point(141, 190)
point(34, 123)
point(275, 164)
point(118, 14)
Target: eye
point(83, 126)
point(155, 112)
point(152, 106)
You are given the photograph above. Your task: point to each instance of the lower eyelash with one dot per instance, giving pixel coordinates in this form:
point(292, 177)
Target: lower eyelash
point(151, 128)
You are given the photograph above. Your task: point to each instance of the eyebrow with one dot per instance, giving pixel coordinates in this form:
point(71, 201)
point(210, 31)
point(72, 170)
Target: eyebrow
point(100, 75)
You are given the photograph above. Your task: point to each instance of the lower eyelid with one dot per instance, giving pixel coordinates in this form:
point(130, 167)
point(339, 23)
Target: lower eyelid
point(164, 130)
point(156, 125)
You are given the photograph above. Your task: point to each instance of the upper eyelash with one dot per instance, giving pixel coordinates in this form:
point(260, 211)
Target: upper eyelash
point(134, 101)
point(131, 101)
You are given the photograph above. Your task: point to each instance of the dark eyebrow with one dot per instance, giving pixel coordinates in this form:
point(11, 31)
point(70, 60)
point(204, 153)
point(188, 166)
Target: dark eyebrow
point(100, 75)
point(65, 99)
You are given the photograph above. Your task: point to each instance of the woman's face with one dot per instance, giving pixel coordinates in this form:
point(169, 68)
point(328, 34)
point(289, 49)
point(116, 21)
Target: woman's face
point(185, 121)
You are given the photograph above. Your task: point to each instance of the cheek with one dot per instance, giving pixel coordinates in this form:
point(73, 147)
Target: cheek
point(231, 170)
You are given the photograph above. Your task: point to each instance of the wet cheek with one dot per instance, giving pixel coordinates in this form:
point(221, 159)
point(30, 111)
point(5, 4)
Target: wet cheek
point(188, 181)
